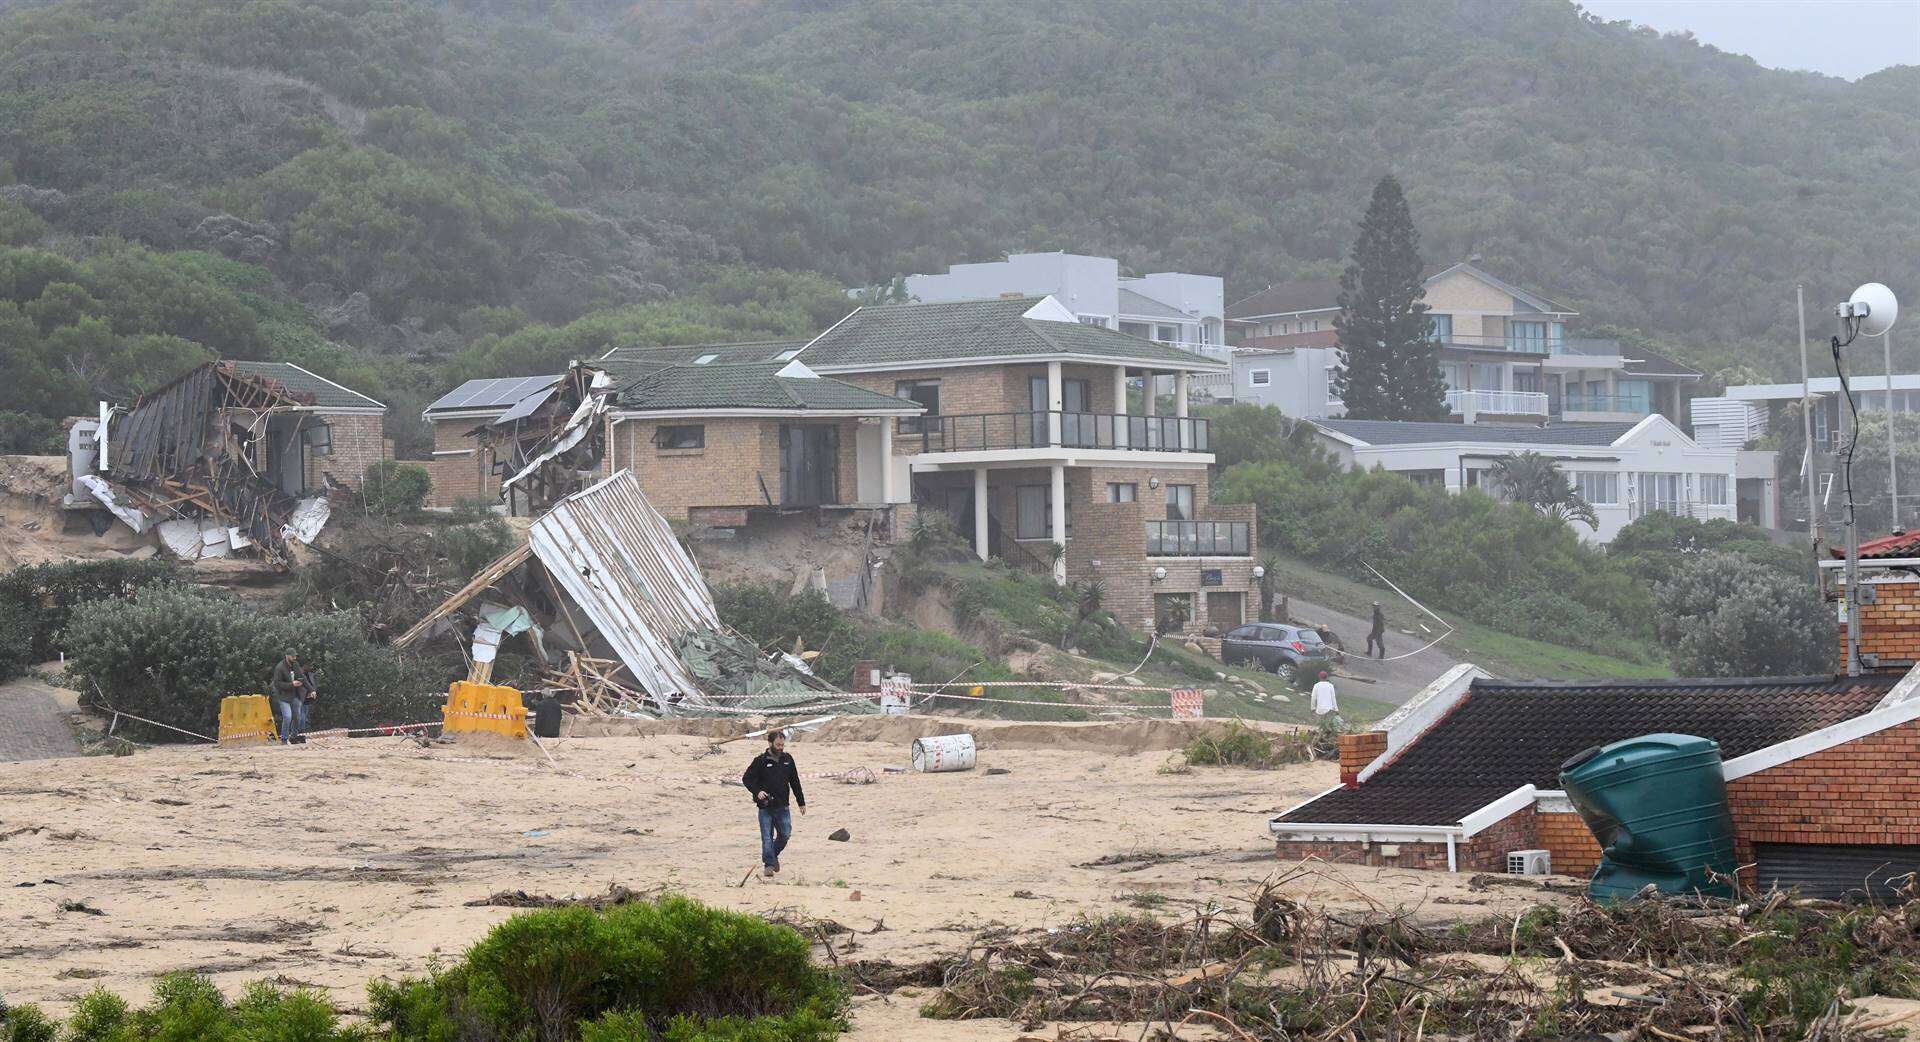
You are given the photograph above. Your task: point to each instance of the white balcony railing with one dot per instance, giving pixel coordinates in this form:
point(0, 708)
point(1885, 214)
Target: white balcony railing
point(1500, 403)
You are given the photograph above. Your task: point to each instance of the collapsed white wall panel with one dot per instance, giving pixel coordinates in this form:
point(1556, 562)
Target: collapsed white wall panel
point(618, 559)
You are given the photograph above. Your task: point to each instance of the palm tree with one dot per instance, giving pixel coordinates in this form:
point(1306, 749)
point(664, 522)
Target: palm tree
point(1533, 479)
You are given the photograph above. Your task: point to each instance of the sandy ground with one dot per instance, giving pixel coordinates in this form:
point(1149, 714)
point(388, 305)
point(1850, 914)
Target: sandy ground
point(333, 864)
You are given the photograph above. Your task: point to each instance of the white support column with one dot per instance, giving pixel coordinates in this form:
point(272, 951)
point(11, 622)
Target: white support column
point(1058, 523)
point(1056, 401)
point(1120, 432)
point(980, 534)
point(886, 459)
point(1149, 402)
point(1182, 383)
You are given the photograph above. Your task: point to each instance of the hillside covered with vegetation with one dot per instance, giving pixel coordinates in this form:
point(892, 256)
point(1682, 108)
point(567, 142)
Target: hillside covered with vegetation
point(406, 192)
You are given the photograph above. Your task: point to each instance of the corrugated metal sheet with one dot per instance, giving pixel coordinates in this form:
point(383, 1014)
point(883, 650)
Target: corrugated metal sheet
point(617, 559)
point(1837, 871)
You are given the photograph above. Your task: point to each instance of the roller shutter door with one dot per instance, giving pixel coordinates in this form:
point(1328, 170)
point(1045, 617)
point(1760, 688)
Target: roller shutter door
point(1837, 870)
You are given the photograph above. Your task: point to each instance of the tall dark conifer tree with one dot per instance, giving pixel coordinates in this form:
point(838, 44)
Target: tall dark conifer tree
point(1390, 361)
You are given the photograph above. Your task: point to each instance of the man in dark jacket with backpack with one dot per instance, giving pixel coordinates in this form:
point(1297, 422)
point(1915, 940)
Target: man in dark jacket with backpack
point(771, 777)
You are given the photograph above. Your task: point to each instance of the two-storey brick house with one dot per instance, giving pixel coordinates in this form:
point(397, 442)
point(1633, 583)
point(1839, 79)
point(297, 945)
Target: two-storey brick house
point(1039, 432)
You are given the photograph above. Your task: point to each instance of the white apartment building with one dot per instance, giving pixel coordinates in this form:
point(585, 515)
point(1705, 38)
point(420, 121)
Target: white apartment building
point(1625, 470)
point(1167, 307)
point(1504, 354)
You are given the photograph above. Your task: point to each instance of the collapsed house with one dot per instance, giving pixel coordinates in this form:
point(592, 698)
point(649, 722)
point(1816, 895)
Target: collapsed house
point(226, 457)
point(549, 444)
point(617, 616)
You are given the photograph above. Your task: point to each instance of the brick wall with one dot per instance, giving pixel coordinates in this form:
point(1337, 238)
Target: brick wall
point(740, 452)
point(1357, 751)
point(467, 473)
point(1856, 792)
point(963, 391)
point(359, 441)
point(1486, 852)
point(1890, 626)
point(1575, 851)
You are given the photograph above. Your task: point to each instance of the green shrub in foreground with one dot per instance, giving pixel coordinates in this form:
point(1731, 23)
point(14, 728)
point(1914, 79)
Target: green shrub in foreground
point(670, 971)
point(188, 1008)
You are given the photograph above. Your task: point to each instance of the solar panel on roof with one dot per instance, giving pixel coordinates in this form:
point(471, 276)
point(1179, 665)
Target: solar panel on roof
point(526, 406)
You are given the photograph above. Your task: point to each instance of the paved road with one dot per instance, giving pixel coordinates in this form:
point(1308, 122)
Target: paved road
point(33, 722)
point(1395, 681)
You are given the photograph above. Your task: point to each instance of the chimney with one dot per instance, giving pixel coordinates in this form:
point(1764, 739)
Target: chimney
point(1357, 750)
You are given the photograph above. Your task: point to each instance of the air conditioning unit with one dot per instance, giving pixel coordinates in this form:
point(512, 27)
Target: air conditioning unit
point(1529, 863)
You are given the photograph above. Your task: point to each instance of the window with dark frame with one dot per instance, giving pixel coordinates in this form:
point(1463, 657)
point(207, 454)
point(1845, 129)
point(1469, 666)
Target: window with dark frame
point(1179, 502)
point(1033, 512)
point(1122, 491)
point(685, 436)
point(927, 393)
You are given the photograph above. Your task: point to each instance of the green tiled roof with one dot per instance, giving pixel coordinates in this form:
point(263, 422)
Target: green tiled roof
point(326, 393)
point(898, 335)
point(750, 385)
point(746, 351)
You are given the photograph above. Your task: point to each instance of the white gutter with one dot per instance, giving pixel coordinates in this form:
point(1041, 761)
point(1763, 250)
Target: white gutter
point(1200, 364)
point(1877, 562)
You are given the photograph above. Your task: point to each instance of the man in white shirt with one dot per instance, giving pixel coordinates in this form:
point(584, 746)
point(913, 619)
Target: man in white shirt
point(1324, 699)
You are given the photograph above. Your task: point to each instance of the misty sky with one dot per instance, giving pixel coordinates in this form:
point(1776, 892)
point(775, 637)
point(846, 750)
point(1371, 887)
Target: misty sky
point(1846, 38)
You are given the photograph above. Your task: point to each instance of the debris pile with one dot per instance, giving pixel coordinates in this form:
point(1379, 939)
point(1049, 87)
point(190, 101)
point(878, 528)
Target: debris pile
point(616, 608)
point(214, 461)
point(1767, 967)
point(552, 441)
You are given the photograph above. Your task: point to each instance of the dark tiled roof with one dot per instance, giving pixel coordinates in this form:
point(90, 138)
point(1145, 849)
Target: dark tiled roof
point(1505, 735)
point(745, 351)
point(326, 393)
point(750, 385)
point(901, 334)
point(1284, 298)
point(1406, 432)
point(1641, 362)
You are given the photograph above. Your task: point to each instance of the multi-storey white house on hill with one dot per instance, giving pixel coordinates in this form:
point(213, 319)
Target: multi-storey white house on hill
point(1504, 354)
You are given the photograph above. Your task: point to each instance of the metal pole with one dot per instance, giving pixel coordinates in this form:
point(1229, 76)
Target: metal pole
point(1853, 531)
point(1806, 423)
point(1893, 472)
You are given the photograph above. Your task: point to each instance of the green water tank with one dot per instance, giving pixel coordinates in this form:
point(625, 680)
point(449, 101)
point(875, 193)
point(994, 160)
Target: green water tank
point(1658, 806)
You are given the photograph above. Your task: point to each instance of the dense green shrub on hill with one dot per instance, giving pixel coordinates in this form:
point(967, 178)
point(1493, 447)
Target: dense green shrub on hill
point(1462, 551)
point(172, 652)
point(390, 488)
point(47, 594)
point(667, 971)
point(1723, 615)
point(25, 434)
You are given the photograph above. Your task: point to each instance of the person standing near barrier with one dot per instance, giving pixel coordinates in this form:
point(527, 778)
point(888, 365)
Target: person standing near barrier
point(770, 778)
point(1377, 637)
point(290, 689)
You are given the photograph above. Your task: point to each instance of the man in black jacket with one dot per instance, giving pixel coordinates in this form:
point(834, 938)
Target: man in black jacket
point(770, 777)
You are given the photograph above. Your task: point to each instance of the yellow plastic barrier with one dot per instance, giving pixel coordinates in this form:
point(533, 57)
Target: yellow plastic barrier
point(483, 709)
point(246, 719)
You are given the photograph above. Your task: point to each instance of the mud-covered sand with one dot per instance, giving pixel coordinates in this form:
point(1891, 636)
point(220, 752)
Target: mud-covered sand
point(330, 865)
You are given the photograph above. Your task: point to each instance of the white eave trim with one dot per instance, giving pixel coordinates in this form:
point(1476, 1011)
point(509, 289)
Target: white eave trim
point(694, 414)
point(353, 410)
point(349, 390)
point(431, 415)
point(1499, 810)
point(1198, 365)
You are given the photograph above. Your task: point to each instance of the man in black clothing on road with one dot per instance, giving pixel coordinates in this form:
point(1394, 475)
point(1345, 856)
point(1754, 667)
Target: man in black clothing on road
point(770, 777)
point(1377, 637)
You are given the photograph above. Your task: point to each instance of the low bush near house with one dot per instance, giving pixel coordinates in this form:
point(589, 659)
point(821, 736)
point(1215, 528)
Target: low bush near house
point(668, 971)
point(171, 652)
point(394, 489)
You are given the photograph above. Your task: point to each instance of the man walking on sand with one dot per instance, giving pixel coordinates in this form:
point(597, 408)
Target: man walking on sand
point(290, 692)
point(1378, 636)
point(770, 777)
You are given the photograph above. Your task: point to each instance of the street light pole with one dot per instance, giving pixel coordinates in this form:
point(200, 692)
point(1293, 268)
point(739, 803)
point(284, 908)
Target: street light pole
point(1893, 470)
